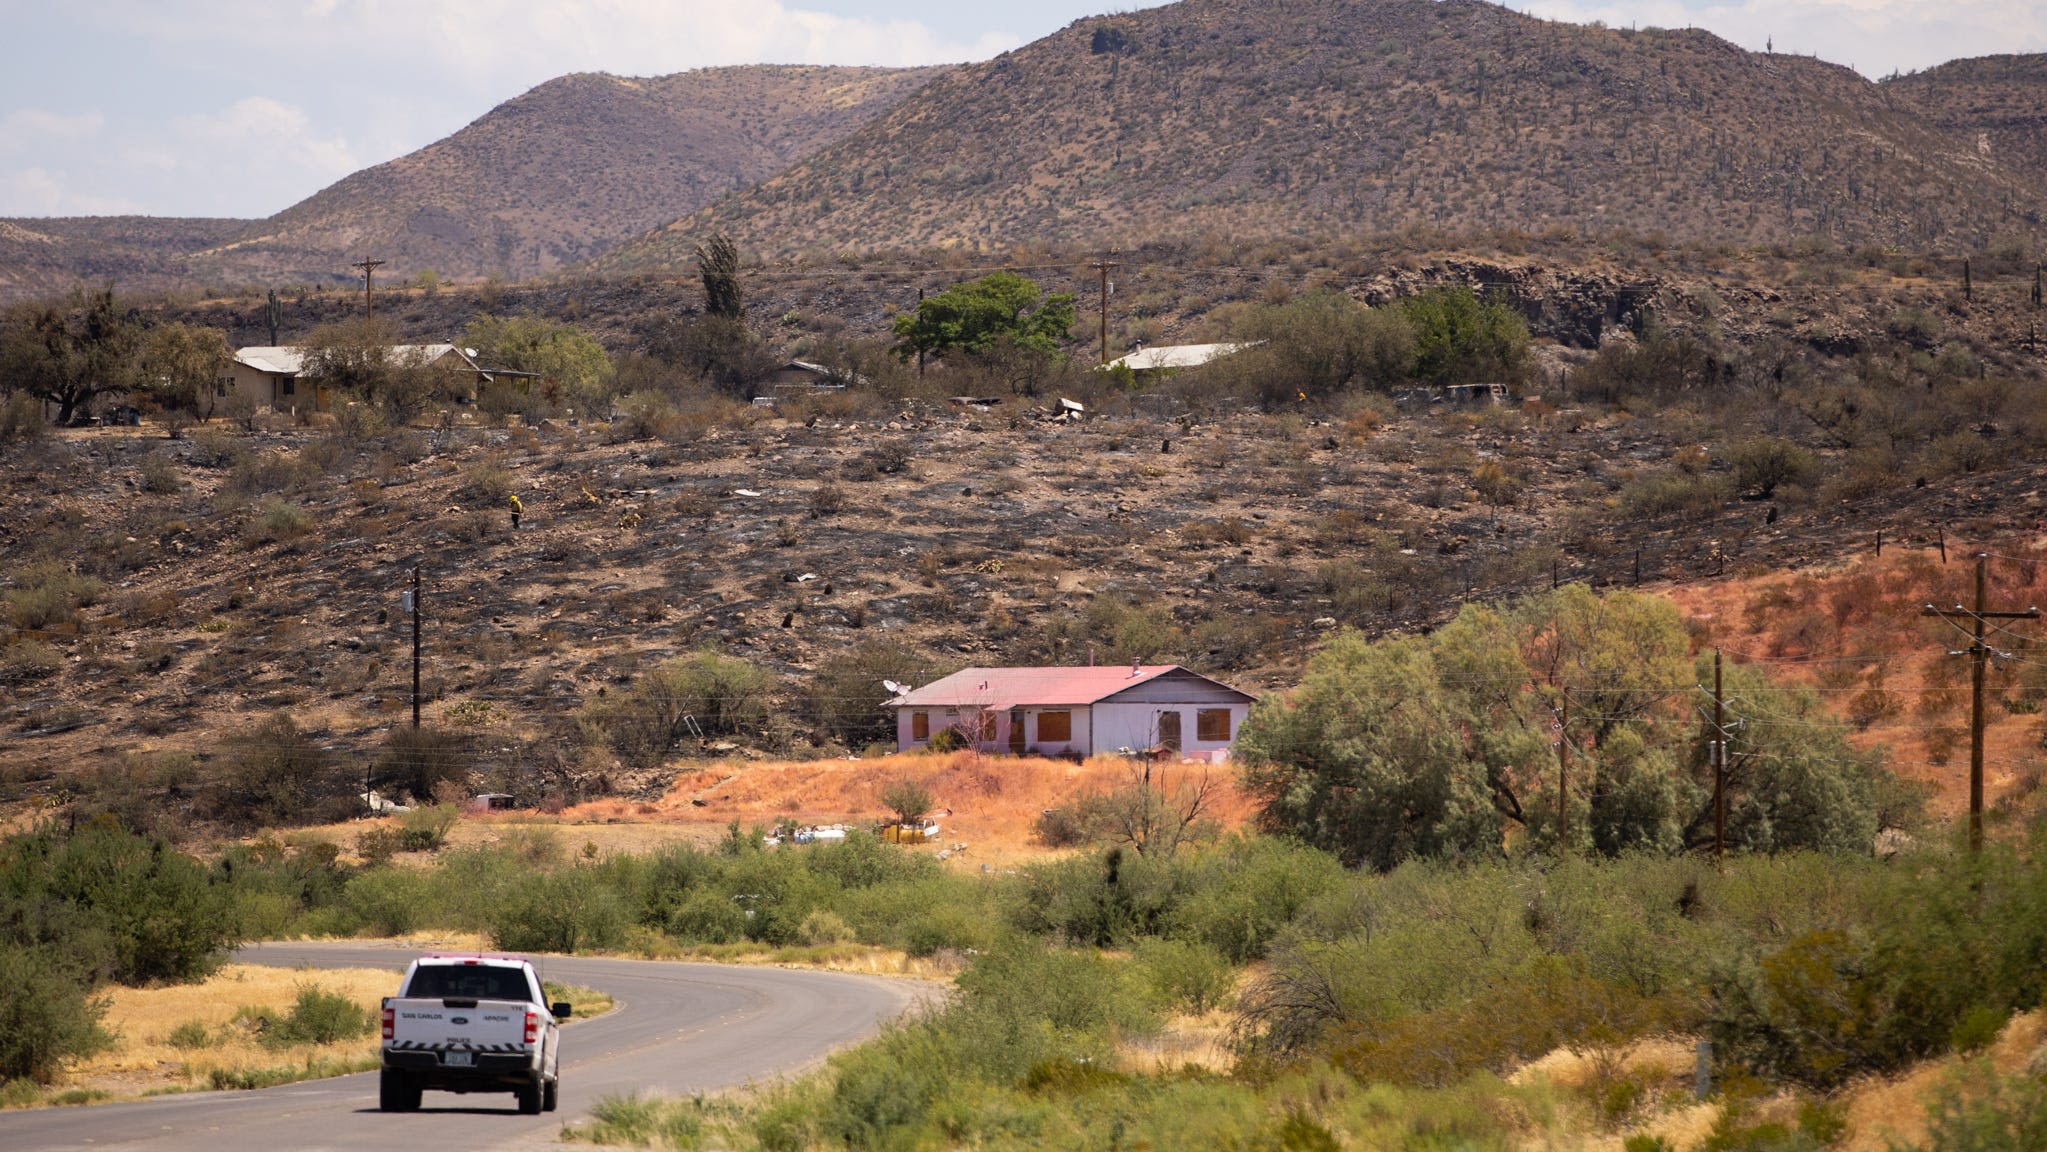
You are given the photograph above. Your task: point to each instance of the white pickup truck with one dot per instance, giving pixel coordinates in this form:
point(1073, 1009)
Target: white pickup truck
point(471, 1022)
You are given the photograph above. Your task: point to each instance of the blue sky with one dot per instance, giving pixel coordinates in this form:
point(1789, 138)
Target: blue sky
point(243, 107)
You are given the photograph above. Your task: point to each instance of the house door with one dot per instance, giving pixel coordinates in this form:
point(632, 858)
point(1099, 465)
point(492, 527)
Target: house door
point(1169, 731)
point(1016, 731)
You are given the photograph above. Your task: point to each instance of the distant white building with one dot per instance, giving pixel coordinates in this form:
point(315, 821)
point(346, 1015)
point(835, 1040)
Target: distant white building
point(269, 374)
point(1158, 708)
point(1148, 362)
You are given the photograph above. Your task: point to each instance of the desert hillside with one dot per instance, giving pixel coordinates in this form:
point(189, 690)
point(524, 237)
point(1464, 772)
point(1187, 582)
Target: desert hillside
point(545, 180)
point(1996, 104)
point(143, 253)
point(1268, 117)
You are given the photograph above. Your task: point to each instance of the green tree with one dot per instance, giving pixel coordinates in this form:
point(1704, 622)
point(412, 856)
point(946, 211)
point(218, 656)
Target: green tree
point(983, 317)
point(180, 363)
point(360, 358)
point(1793, 780)
point(1367, 760)
point(569, 363)
point(1426, 746)
point(70, 353)
point(1460, 339)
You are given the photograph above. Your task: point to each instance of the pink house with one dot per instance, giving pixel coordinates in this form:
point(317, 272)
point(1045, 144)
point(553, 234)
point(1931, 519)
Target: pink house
point(1076, 711)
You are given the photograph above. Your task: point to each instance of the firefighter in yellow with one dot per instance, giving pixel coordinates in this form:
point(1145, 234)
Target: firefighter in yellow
point(517, 510)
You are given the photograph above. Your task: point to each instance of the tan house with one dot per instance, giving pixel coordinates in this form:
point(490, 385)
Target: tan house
point(269, 375)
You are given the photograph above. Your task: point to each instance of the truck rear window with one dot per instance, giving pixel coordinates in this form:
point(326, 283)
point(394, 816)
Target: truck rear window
point(467, 981)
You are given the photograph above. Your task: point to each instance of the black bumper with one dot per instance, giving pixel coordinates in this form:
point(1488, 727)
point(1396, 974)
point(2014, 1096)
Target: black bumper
point(491, 1073)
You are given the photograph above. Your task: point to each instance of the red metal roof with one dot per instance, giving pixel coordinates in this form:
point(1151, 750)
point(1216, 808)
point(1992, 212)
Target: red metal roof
point(1000, 689)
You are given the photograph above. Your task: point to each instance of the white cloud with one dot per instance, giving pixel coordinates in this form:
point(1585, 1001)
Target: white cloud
point(259, 127)
point(30, 127)
point(37, 191)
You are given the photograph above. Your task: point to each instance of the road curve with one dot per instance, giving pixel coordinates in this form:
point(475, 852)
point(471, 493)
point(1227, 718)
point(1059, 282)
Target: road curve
point(678, 1028)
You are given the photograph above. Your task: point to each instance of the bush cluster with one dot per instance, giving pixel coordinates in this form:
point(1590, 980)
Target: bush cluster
point(79, 909)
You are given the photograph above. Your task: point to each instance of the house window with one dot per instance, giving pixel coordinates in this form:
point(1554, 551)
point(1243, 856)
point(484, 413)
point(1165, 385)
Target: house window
point(920, 725)
point(1212, 724)
point(287, 386)
point(1055, 727)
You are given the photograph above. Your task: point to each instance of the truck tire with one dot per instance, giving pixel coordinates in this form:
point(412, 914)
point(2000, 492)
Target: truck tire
point(551, 1095)
point(529, 1098)
point(394, 1093)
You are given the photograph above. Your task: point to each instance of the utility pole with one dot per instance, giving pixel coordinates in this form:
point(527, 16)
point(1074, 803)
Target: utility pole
point(369, 278)
point(1719, 763)
point(1563, 777)
point(920, 347)
point(1979, 656)
point(415, 647)
point(1105, 267)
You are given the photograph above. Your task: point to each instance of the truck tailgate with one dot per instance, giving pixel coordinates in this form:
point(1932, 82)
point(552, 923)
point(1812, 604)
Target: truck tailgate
point(458, 1025)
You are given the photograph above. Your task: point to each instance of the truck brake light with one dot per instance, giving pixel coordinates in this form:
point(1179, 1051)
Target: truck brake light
point(532, 1027)
point(390, 1022)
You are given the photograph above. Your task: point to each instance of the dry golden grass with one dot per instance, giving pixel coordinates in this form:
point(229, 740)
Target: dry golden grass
point(1893, 1111)
point(144, 1061)
point(142, 1019)
point(1202, 1041)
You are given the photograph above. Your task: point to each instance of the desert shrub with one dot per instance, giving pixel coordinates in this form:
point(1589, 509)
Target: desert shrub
point(21, 418)
point(1241, 894)
point(278, 520)
point(1101, 900)
point(123, 907)
point(487, 483)
point(1915, 326)
point(48, 596)
point(26, 660)
point(214, 447)
point(47, 1015)
point(707, 918)
point(719, 694)
point(190, 1035)
point(1314, 347)
point(1675, 493)
point(423, 761)
point(824, 927)
point(426, 828)
point(827, 499)
point(560, 911)
point(1184, 975)
point(274, 774)
point(319, 1017)
point(1460, 339)
point(1506, 1024)
point(1023, 1015)
point(1766, 462)
point(907, 800)
point(1951, 948)
point(159, 474)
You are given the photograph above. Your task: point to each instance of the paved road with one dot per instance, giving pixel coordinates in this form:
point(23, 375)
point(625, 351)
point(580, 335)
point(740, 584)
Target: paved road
point(678, 1028)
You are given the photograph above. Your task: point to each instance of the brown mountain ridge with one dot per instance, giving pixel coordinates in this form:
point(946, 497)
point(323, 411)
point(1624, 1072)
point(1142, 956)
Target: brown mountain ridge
point(544, 180)
point(1272, 117)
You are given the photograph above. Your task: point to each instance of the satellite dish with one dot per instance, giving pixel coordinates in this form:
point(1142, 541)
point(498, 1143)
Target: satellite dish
point(898, 689)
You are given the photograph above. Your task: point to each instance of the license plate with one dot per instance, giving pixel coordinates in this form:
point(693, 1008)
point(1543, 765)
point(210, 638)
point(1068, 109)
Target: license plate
point(458, 1059)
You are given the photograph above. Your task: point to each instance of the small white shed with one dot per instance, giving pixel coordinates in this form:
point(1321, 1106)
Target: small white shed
point(1162, 709)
